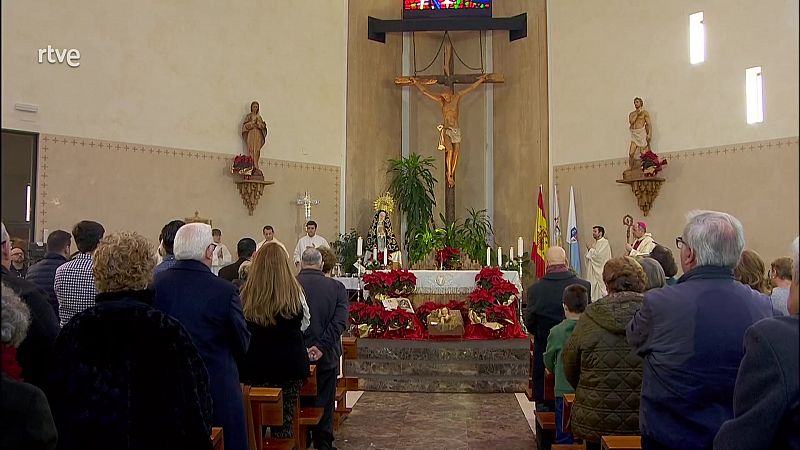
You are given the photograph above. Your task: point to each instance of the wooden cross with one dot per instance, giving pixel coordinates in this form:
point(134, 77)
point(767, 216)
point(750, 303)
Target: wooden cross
point(306, 202)
point(449, 99)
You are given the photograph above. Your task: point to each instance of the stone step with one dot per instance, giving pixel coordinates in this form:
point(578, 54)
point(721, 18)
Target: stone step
point(488, 350)
point(441, 366)
point(450, 384)
point(365, 367)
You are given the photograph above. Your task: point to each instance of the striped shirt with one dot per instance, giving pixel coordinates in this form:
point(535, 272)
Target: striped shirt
point(74, 286)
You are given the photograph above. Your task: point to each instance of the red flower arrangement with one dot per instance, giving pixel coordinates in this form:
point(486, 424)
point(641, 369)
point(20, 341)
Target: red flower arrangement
point(402, 324)
point(394, 283)
point(449, 258)
point(368, 316)
point(500, 290)
point(243, 165)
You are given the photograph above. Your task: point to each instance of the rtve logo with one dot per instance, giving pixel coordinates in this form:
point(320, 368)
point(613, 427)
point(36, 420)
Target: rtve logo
point(54, 55)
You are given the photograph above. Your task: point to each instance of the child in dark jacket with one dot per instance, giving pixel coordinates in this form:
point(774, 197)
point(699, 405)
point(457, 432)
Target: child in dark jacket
point(575, 299)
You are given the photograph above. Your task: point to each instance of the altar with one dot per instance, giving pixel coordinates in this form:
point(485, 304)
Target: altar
point(439, 286)
point(442, 286)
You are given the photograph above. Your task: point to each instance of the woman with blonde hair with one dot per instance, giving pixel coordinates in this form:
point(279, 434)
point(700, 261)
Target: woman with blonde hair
point(276, 314)
point(598, 361)
point(752, 271)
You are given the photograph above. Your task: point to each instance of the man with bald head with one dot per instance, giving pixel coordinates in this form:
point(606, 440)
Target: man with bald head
point(545, 310)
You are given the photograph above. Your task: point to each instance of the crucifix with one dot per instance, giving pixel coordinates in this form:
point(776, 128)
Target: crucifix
point(306, 202)
point(449, 99)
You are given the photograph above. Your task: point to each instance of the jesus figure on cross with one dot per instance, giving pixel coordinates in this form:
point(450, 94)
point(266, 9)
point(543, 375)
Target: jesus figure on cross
point(450, 133)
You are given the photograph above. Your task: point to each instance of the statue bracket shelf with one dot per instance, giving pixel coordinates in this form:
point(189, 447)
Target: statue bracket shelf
point(645, 189)
point(517, 26)
point(251, 191)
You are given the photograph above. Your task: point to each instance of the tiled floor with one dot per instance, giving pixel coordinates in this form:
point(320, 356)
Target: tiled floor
point(390, 420)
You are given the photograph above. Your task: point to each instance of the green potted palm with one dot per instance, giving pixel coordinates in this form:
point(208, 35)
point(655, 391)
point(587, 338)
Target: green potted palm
point(412, 187)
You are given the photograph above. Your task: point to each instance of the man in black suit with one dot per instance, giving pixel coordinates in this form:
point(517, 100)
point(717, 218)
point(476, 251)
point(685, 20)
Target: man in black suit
point(43, 273)
point(244, 250)
point(545, 310)
point(35, 352)
point(327, 302)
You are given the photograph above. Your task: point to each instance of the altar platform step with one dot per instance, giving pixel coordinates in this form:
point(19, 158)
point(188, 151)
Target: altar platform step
point(441, 366)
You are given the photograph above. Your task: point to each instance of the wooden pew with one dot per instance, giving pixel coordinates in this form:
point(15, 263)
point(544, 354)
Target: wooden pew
point(216, 438)
point(549, 385)
point(264, 407)
point(345, 383)
point(569, 400)
point(621, 442)
point(529, 388)
point(309, 388)
point(307, 416)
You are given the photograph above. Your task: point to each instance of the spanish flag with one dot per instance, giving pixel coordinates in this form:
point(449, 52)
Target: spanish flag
point(540, 238)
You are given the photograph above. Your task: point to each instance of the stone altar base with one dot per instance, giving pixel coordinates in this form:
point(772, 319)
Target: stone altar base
point(441, 366)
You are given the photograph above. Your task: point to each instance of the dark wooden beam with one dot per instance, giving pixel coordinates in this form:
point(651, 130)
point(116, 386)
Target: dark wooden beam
point(517, 26)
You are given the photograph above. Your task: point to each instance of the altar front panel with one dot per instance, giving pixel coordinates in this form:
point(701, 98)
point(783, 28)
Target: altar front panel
point(440, 286)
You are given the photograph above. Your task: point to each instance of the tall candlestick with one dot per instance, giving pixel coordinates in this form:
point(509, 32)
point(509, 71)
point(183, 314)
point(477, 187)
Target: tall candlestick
point(520, 250)
point(385, 256)
point(360, 250)
point(488, 256)
point(375, 254)
point(511, 253)
point(499, 256)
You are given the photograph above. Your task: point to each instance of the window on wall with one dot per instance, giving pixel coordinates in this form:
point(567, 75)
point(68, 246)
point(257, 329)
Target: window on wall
point(697, 38)
point(754, 89)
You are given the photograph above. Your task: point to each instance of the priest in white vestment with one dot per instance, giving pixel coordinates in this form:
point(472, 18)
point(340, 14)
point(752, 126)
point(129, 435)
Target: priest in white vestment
point(598, 253)
point(311, 239)
point(644, 242)
point(269, 236)
point(222, 256)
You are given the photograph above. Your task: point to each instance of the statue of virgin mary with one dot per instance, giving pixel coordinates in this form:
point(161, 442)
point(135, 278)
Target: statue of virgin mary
point(380, 235)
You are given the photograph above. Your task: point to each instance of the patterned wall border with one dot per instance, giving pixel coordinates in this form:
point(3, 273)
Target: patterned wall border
point(75, 142)
point(722, 150)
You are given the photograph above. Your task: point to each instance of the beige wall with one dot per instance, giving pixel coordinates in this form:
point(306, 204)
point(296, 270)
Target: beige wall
point(136, 187)
point(182, 74)
point(756, 182)
point(603, 54)
point(521, 161)
point(373, 110)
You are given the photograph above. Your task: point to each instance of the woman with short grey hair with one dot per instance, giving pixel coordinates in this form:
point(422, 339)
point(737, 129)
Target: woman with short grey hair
point(16, 319)
point(654, 272)
point(27, 421)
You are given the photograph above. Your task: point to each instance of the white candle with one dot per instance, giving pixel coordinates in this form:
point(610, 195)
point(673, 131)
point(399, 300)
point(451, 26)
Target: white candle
point(511, 253)
point(385, 256)
point(400, 257)
point(520, 250)
point(499, 256)
point(375, 254)
point(488, 256)
point(360, 251)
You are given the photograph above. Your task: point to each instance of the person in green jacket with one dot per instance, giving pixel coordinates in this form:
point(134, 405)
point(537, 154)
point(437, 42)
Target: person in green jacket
point(574, 301)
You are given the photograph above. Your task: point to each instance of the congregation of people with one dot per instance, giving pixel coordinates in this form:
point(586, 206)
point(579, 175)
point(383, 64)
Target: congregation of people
point(707, 360)
point(126, 344)
point(110, 348)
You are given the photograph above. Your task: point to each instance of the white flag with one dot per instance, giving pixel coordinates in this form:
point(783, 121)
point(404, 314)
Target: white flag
point(555, 234)
point(574, 250)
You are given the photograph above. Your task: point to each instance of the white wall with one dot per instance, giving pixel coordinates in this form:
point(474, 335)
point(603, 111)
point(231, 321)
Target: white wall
point(603, 54)
point(182, 73)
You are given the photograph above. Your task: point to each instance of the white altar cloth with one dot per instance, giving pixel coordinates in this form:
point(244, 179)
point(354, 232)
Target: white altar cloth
point(442, 281)
point(454, 281)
